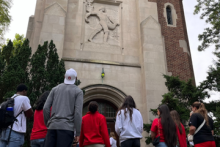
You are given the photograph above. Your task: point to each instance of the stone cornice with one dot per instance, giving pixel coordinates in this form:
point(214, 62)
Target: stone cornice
point(102, 62)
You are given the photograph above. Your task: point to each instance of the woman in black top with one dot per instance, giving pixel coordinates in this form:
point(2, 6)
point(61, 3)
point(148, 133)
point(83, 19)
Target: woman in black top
point(204, 137)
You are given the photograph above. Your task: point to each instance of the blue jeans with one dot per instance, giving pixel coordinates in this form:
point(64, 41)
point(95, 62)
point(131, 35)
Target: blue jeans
point(161, 144)
point(16, 139)
point(37, 142)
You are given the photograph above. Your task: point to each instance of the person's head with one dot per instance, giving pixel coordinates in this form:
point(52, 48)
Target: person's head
point(128, 105)
point(176, 118)
point(41, 101)
point(70, 76)
point(169, 127)
point(112, 134)
point(22, 89)
point(93, 106)
point(198, 107)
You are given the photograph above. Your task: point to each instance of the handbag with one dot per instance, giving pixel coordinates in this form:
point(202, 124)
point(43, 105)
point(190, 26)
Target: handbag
point(156, 141)
point(190, 137)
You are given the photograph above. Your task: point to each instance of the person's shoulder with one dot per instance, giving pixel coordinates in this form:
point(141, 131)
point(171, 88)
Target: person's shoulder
point(22, 97)
point(136, 111)
point(196, 115)
point(155, 120)
point(210, 119)
point(100, 115)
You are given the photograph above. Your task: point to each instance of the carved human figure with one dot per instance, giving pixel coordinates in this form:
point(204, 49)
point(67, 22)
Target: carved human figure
point(105, 22)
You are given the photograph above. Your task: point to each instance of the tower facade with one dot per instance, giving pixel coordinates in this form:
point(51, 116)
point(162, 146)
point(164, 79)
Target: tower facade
point(134, 42)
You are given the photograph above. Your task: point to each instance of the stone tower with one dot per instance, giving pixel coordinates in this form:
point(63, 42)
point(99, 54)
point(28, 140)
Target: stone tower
point(135, 42)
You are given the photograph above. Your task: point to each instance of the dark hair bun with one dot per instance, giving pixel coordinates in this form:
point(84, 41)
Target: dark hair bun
point(93, 106)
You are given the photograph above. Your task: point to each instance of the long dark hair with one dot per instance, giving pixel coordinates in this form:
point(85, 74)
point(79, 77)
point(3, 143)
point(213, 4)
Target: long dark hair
point(127, 105)
point(201, 110)
point(42, 99)
point(176, 118)
point(169, 127)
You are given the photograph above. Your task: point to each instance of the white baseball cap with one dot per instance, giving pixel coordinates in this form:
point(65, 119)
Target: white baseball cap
point(70, 76)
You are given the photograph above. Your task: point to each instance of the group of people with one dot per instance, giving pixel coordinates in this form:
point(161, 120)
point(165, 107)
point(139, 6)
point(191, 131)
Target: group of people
point(58, 122)
point(171, 131)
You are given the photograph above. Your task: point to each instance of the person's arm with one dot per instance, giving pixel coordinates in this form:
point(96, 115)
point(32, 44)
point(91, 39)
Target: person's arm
point(26, 107)
point(47, 106)
point(104, 132)
point(193, 124)
point(81, 138)
point(192, 130)
point(118, 124)
point(153, 135)
point(29, 113)
point(141, 124)
point(154, 128)
point(78, 112)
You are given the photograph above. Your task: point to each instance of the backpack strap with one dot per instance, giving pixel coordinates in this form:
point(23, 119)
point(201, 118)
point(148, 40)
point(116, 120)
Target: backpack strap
point(200, 127)
point(14, 119)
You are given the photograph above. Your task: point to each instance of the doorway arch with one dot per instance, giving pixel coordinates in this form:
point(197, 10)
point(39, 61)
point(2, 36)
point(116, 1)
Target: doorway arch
point(104, 92)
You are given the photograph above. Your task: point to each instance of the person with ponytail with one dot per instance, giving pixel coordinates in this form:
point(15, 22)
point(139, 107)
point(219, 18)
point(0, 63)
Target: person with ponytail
point(180, 130)
point(94, 132)
point(129, 124)
point(164, 127)
point(204, 137)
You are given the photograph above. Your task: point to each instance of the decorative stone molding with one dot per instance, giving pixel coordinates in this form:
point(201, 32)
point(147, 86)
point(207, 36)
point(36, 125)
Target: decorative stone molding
point(102, 62)
point(55, 9)
point(183, 44)
point(104, 92)
point(174, 14)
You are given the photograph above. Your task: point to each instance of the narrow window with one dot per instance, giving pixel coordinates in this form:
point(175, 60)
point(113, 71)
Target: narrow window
point(169, 15)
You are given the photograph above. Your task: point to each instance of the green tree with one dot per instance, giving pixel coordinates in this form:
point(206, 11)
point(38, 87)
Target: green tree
point(211, 12)
point(5, 18)
point(15, 71)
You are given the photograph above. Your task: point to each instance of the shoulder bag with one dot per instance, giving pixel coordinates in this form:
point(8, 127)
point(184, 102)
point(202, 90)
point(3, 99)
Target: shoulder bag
point(156, 141)
point(190, 137)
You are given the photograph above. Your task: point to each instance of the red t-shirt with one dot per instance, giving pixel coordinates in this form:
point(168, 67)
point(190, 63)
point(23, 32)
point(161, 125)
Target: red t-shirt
point(39, 129)
point(94, 130)
point(154, 128)
point(181, 137)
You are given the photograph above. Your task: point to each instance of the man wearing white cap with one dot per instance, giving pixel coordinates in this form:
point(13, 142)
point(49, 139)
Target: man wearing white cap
point(66, 100)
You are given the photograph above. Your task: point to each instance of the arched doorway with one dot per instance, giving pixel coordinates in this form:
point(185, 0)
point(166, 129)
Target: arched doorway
point(109, 99)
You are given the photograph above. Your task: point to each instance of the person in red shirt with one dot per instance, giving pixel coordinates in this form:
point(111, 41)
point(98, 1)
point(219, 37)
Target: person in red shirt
point(39, 130)
point(180, 130)
point(94, 132)
point(164, 127)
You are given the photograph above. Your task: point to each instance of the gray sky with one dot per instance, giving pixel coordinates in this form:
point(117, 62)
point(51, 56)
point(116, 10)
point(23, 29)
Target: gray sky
point(23, 9)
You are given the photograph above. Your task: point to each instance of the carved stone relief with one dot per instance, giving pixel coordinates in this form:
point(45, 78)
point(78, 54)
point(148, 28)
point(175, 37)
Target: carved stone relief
point(102, 23)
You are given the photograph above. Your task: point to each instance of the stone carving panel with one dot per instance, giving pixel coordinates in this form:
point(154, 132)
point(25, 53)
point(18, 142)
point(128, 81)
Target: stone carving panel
point(102, 23)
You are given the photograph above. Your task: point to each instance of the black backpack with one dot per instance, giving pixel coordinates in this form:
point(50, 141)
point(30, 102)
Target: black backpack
point(7, 115)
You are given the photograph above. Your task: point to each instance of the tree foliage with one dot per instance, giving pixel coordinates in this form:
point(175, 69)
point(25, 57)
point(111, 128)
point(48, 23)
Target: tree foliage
point(211, 12)
point(5, 18)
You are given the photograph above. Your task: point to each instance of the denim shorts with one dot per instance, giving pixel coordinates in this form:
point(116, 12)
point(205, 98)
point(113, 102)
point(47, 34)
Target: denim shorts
point(16, 139)
point(161, 144)
point(37, 142)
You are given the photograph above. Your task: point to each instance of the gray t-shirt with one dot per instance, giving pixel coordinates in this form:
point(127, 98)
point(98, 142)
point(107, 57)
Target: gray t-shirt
point(67, 103)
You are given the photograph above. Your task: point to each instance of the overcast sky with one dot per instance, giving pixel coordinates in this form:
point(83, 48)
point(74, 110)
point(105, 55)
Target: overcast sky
point(23, 9)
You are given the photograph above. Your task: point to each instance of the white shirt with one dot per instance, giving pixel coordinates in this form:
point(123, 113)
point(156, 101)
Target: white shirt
point(21, 103)
point(127, 129)
point(113, 142)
